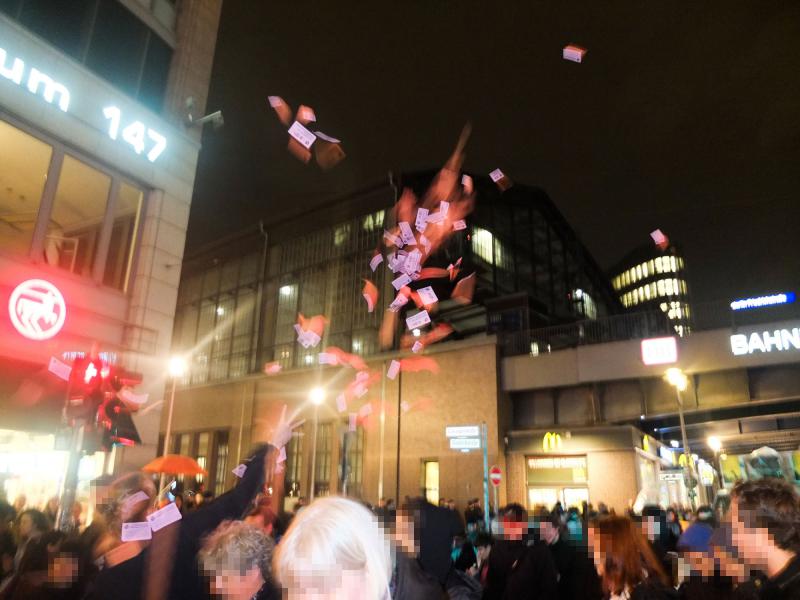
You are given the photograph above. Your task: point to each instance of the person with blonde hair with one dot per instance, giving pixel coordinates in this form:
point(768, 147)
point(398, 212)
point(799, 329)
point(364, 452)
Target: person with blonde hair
point(335, 548)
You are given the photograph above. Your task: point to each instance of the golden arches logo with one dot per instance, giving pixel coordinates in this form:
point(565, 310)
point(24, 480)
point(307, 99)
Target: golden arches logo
point(551, 441)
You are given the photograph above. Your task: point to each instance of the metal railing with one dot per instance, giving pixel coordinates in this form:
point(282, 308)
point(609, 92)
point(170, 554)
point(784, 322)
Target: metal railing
point(704, 316)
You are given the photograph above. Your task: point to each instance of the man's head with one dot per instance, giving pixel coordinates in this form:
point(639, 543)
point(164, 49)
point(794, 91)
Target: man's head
point(483, 546)
point(236, 558)
point(31, 522)
point(515, 521)
point(765, 518)
point(548, 523)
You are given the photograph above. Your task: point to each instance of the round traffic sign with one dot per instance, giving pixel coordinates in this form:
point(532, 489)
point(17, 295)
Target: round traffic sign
point(495, 475)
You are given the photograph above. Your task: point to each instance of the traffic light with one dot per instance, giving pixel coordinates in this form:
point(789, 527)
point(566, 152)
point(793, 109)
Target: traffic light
point(114, 418)
point(87, 383)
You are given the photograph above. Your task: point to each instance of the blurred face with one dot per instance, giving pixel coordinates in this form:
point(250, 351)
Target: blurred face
point(348, 585)
point(26, 527)
point(651, 528)
point(752, 543)
point(62, 571)
point(513, 530)
point(548, 532)
point(404, 533)
point(594, 547)
point(232, 585)
point(483, 553)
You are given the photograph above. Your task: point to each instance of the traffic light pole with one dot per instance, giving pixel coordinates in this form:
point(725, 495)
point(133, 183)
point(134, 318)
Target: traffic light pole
point(70, 487)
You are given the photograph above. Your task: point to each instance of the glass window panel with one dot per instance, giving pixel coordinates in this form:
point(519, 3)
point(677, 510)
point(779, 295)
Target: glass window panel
point(674, 264)
point(249, 269)
point(430, 481)
point(294, 464)
point(322, 464)
point(203, 448)
point(221, 470)
point(155, 73)
point(76, 220)
point(24, 162)
point(668, 287)
point(123, 236)
point(65, 25)
point(211, 282)
point(116, 51)
point(662, 290)
point(287, 313)
point(230, 275)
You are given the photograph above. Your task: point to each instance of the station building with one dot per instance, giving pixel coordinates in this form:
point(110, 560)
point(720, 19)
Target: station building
point(240, 297)
point(97, 169)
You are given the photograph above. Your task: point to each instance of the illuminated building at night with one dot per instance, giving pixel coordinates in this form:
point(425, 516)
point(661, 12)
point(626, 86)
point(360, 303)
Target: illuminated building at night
point(97, 169)
point(649, 278)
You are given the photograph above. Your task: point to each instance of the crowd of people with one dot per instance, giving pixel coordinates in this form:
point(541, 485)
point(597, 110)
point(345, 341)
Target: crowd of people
point(240, 547)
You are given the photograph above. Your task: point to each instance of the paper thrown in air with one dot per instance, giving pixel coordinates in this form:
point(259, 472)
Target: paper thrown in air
point(418, 320)
point(393, 370)
point(135, 532)
point(303, 136)
point(163, 517)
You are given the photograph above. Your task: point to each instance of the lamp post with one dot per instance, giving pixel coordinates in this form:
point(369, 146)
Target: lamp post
point(177, 367)
point(716, 445)
point(677, 378)
point(317, 397)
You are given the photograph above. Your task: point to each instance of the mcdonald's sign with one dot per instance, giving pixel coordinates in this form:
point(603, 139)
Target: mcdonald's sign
point(551, 441)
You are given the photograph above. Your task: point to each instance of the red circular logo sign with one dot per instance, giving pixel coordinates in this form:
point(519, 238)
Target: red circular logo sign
point(495, 475)
point(37, 309)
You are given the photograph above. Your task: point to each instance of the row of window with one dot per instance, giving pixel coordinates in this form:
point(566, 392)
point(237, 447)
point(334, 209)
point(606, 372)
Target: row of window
point(653, 290)
point(210, 449)
point(678, 311)
point(351, 446)
point(654, 266)
point(107, 38)
point(86, 223)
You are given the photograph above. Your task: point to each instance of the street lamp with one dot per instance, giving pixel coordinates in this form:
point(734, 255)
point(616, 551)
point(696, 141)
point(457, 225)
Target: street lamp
point(716, 445)
point(177, 367)
point(317, 397)
point(678, 379)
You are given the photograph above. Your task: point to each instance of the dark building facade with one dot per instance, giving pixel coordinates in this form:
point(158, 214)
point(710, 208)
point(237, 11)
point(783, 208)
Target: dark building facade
point(239, 298)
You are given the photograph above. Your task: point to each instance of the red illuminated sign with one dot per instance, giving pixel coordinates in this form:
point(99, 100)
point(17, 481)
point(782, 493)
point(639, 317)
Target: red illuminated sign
point(37, 309)
point(660, 351)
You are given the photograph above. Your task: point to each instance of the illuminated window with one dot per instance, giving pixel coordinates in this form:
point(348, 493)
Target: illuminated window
point(482, 242)
point(664, 306)
point(662, 291)
point(341, 234)
point(294, 465)
point(373, 222)
point(680, 263)
point(76, 220)
point(674, 264)
point(640, 291)
point(122, 244)
point(668, 287)
point(647, 292)
point(24, 161)
point(644, 269)
point(653, 289)
point(638, 272)
point(652, 266)
point(430, 481)
point(322, 464)
point(683, 287)
point(676, 287)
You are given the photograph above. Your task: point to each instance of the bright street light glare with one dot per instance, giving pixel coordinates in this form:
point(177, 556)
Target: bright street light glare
point(714, 443)
point(677, 378)
point(177, 366)
point(317, 396)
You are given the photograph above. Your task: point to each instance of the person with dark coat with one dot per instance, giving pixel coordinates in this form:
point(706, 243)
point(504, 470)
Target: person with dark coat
point(625, 562)
point(435, 529)
point(520, 569)
point(577, 578)
point(765, 529)
point(134, 570)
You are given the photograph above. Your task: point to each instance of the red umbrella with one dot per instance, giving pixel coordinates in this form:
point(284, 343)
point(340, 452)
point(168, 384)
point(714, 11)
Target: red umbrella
point(174, 464)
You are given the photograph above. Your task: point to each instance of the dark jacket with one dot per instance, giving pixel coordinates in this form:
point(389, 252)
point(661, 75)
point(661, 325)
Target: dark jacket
point(784, 586)
point(126, 580)
point(518, 571)
point(653, 589)
point(437, 528)
point(411, 582)
point(577, 576)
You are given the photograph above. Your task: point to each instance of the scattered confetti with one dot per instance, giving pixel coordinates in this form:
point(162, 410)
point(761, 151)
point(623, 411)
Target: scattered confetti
point(393, 370)
point(573, 53)
point(370, 293)
point(418, 320)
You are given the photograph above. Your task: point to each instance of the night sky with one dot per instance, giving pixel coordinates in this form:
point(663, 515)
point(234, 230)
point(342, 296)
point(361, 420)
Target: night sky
point(683, 116)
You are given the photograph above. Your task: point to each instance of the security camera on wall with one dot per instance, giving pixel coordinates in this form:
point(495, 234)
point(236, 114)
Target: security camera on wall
point(216, 119)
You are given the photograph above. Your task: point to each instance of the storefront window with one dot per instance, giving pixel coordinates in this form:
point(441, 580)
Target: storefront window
point(123, 236)
point(24, 162)
point(73, 230)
